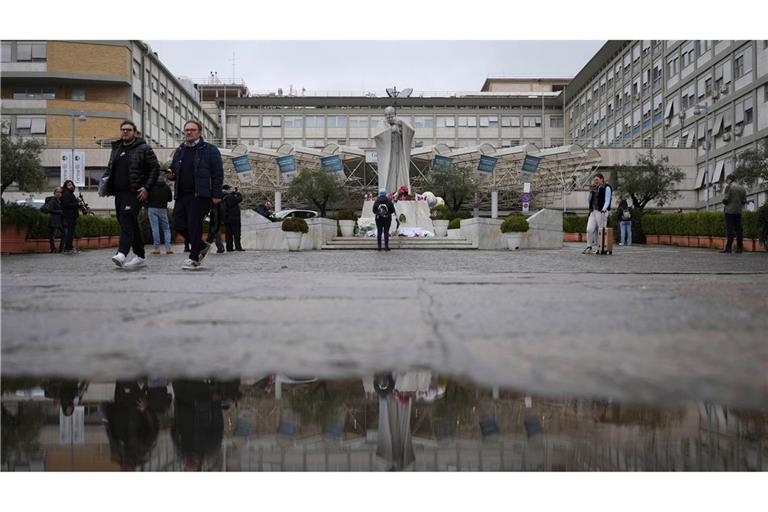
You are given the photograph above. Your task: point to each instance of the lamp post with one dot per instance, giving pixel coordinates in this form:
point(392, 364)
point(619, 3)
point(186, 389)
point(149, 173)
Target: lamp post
point(81, 117)
point(697, 111)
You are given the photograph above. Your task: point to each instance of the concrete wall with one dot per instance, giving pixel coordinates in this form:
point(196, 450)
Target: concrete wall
point(259, 233)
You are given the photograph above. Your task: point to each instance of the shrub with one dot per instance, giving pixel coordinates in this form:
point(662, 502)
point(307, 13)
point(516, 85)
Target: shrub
point(441, 212)
point(575, 223)
point(295, 225)
point(515, 224)
point(455, 223)
point(402, 218)
point(346, 215)
point(23, 217)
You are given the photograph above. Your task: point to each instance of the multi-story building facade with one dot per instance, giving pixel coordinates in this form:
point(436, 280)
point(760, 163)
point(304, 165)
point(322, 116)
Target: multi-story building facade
point(455, 119)
point(645, 94)
point(47, 85)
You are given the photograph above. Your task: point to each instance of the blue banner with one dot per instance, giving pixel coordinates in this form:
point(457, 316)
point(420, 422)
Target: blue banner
point(331, 163)
point(531, 163)
point(487, 164)
point(286, 163)
point(242, 163)
point(442, 163)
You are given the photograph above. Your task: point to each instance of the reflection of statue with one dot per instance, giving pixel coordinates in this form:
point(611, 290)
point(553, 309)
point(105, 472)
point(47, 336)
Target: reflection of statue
point(393, 147)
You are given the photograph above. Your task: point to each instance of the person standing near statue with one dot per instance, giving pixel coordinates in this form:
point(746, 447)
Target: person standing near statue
point(393, 148)
point(734, 199)
point(383, 209)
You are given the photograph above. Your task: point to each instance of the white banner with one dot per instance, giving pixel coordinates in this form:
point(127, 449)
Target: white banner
point(78, 169)
point(72, 428)
point(66, 167)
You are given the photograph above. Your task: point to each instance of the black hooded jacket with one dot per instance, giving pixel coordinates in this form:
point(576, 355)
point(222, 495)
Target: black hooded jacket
point(144, 167)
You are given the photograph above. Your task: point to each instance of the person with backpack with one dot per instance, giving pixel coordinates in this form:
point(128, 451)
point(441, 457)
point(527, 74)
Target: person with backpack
point(383, 209)
point(52, 207)
point(157, 211)
point(624, 213)
point(231, 217)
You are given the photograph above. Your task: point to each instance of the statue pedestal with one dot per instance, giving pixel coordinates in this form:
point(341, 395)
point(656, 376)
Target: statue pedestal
point(416, 214)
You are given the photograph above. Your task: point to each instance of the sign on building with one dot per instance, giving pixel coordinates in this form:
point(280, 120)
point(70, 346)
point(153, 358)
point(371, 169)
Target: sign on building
point(531, 163)
point(66, 166)
point(371, 156)
point(442, 163)
point(331, 163)
point(78, 169)
point(242, 165)
point(287, 166)
point(487, 164)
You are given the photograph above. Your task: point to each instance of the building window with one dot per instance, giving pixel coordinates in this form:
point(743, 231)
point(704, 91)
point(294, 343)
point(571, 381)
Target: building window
point(177, 107)
point(765, 93)
point(136, 69)
point(446, 121)
point(30, 51)
point(743, 64)
point(531, 121)
point(489, 121)
point(672, 66)
point(423, 122)
point(155, 116)
point(6, 57)
point(704, 46)
point(77, 94)
point(315, 122)
point(294, 122)
point(467, 121)
point(555, 122)
point(273, 121)
point(358, 122)
point(154, 84)
point(744, 112)
point(34, 93)
point(336, 121)
point(688, 56)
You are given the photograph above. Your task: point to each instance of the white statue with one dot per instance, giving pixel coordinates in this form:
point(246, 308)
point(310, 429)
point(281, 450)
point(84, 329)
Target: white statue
point(393, 147)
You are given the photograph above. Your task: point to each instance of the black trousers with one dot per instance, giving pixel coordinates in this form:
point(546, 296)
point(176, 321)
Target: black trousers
point(233, 236)
point(52, 237)
point(382, 227)
point(128, 207)
point(69, 232)
point(188, 214)
point(733, 227)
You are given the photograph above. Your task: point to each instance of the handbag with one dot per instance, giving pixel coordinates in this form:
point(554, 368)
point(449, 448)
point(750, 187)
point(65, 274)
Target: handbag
point(103, 186)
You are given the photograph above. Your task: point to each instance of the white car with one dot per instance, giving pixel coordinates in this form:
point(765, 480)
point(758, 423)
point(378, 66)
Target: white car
point(296, 214)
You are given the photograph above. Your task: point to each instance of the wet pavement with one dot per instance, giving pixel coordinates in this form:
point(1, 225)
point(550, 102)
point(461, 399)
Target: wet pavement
point(648, 324)
point(392, 421)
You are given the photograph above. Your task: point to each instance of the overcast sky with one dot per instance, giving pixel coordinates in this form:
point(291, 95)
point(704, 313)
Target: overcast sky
point(373, 65)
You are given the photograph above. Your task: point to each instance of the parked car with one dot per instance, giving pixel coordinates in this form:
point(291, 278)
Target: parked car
point(293, 213)
point(32, 203)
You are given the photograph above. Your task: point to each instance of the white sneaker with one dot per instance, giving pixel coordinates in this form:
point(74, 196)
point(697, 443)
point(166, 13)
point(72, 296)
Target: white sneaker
point(191, 264)
point(118, 259)
point(588, 250)
point(135, 263)
point(204, 251)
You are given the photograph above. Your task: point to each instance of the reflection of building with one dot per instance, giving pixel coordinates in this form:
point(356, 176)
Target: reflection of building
point(45, 83)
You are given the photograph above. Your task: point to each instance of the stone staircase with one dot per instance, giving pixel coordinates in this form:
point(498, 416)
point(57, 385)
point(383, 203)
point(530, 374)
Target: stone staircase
point(396, 243)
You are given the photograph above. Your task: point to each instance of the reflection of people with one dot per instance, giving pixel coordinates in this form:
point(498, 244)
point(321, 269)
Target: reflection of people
point(71, 208)
point(599, 199)
point(198, 426)
point(157, 211)
point(65, 392)
point(383, 209)
point(734, 199)
point(393, 147)
point(132, 425)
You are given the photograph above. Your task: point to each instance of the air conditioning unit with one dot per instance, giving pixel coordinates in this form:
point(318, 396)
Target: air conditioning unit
point(668, 121)
point(681, 115)
point(724, 89)
point(726, 137)
point(738, 129)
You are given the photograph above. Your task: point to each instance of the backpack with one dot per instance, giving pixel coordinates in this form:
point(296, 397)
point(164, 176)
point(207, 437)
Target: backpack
point(46, 208)
point(626, 215)
point(382, 212)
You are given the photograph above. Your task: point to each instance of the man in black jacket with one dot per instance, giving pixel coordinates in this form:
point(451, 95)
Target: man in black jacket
point(71, 211)
point(231, 217)
point(157, 212)
point(52, 207)
point(132, 170)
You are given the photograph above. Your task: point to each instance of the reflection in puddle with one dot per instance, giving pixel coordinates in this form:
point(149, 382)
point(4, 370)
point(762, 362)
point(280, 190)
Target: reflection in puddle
point(411, 421)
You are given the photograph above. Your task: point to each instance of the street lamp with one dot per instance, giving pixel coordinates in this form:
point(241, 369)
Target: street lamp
point(697, 111)
point(81, 117)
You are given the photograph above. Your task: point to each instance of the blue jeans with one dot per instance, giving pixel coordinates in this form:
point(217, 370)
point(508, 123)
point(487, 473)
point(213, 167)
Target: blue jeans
point(626, 232)
point(158, 219)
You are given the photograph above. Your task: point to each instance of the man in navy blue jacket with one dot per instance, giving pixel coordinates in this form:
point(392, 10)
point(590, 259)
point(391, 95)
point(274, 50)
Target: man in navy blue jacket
point(198, 173)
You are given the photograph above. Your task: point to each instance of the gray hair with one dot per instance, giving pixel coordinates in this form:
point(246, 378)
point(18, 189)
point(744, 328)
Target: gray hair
point(388, 110)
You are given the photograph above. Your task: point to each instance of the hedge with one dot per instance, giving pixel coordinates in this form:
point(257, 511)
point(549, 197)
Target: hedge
point(515, 224)
point(575, 223)
point(37, 222)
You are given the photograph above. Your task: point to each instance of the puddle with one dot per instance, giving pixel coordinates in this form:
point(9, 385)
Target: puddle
point(409, 421)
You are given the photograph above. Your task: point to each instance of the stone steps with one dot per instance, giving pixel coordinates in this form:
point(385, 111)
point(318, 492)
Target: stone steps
point(356, 243)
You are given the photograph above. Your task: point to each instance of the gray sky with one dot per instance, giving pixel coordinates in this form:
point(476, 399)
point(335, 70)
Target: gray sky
point(374, 65)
